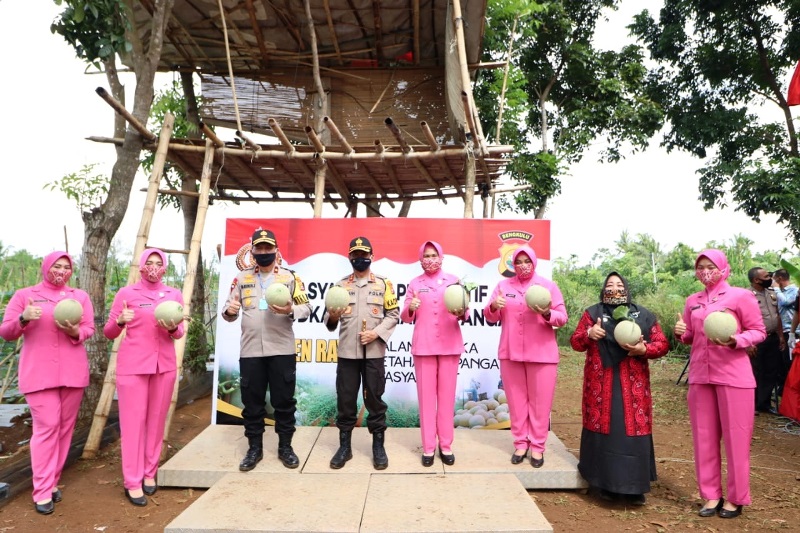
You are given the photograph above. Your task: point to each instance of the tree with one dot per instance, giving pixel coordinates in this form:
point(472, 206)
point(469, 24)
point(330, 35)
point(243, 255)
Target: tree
point(718, 60)
point(563, 94)
point(99, 30)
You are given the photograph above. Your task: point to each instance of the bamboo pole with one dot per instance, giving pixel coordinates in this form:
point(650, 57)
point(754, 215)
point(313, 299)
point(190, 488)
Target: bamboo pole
point(110, 382)
point(188, 280)
point(133, 121)
point(276, 128)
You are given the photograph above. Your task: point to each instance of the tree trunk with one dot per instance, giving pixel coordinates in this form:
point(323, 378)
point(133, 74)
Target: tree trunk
point(101, 224)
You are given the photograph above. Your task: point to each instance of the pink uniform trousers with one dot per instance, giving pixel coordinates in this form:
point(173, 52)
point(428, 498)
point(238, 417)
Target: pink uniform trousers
point(530, 388)
point(436, 389)
point(719, 412)
point(54, 412)
point(143, 405)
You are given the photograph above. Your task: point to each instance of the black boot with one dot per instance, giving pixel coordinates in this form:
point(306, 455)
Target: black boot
point(379, 459)
point(254, 454)
point(344, 453)
point(286, 453)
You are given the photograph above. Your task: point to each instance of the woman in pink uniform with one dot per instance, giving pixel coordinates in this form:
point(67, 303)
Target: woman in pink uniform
point(528, 354)
point(436, 346)
point(53, 370)
point(721, 385)
point(146, 371)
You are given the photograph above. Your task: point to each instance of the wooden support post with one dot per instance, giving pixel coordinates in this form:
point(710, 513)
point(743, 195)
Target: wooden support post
point(191, 273)
point(109, 384)
point(133, 121)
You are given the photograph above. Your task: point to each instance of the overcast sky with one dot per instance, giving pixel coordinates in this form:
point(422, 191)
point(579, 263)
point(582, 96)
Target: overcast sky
point(50, 107)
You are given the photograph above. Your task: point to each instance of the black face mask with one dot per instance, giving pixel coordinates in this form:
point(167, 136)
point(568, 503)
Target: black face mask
point(361, 263)
point(265, 259)
point(765, 282)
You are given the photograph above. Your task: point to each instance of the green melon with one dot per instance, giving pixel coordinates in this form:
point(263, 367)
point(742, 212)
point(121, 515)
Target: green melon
point(720, 325)
point(169, 311)
point(456, 298)
point(337, 298)
point(477, 421)
point(537, 296)
point(277, 294)
point(68, 310)
point(627, 332)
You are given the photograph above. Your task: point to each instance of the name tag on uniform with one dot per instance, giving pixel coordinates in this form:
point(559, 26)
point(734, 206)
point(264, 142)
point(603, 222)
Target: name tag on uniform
point(262, 305)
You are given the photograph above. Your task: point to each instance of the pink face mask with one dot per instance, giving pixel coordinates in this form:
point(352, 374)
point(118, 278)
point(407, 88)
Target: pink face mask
point(59, 277)
point(524, 271)
point(709, 278)
point(153, 273)
point(431, 265)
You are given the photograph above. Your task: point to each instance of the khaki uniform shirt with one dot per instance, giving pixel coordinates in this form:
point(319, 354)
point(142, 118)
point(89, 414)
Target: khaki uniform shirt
point(373, 300)
point(265, 333)
point(768, 304)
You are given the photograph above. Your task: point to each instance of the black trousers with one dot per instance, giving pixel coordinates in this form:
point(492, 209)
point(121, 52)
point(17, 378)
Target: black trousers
point(350, 374)
point(278, 372)
point(766, 368)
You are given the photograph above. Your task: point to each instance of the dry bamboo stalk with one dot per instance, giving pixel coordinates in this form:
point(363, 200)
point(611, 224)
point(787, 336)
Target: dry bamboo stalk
point(319, 189)
point(338, 134)
point(191, 274)
point(312, 136)
point(447, 151)
point(426, 130)
point(281, 135)
point(249, 142)
point(109, 384)
point(415, 16)
point(133, 121)
point(332, 30)
point(208, 132)
point(398, 135)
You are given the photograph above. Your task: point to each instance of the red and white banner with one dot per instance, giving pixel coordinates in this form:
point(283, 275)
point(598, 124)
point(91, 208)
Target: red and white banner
point(477, 251)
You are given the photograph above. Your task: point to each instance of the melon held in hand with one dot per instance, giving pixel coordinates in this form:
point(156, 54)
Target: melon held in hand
point(537, 296)
point(170, 311)
point(337, 298)
point(720, 326)
point(277, 294)
point(627, 332)
point(456, 298)
point(68, 310)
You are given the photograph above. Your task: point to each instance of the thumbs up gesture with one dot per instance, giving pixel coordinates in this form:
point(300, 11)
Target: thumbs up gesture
point(680, 326)
point(234, 305)
point(31, 312)
point(125, 316)
point(596, 332)
point(415, 302)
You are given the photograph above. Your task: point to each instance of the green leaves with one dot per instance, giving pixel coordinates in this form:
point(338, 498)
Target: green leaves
point(87, 189)
point(94, 28)
point(621, 313)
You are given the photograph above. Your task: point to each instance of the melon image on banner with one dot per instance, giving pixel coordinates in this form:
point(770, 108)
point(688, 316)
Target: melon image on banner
point(169, 311)
point(456, 298)
point(68, 310)
point(277, 294)
point(337, 298)
point(537, 296)
point(720, 325)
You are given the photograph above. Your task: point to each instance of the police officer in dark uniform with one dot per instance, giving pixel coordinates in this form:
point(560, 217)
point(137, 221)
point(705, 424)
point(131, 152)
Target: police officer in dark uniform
point(268, 352)
point(766, 357)
point(365, 326)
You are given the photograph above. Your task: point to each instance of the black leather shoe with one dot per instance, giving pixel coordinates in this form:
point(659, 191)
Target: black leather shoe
point(706, 512)
point(447, 458)
point(57, 495)
point(427, 460)
point(44, 508)
point(537, 463)
point(636, 500)
point(517, 459)
point(149, 489)
point(141, 501)
point(288, 457)
point(252, 457)
point(724, 513)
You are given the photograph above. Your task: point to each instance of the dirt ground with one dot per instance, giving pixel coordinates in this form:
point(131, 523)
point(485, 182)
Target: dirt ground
point(93, 498)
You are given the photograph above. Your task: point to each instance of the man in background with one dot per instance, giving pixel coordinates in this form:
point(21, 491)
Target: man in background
point(766, 357)
point(786, 292)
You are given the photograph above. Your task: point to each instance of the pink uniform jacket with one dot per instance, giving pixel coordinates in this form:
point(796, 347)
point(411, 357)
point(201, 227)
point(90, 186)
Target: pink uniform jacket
point(147, 347)
point(721, 365)
point(526, 336)
point(436, 331)
point(50, 358)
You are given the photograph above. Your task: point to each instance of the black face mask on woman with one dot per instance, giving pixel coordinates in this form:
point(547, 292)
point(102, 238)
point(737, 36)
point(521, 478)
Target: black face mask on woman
point(361, 263)
point(265, 259)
